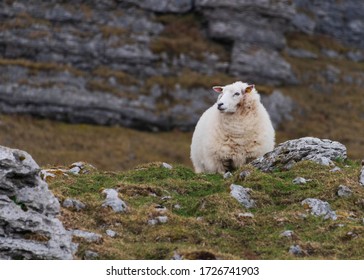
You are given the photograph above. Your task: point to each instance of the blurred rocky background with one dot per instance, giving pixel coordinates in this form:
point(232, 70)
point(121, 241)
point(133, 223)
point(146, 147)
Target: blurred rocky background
point(122, 82)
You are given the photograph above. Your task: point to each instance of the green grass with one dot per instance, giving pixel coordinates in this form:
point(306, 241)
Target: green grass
point(208, 222)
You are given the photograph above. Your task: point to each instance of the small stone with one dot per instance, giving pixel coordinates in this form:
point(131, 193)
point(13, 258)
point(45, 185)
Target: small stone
point(167, 197)
point(227, 175)
point(177, 206)
point(87, 236)
point(200, 219)
point(74, 247)
point(361, 176)
point(244, 174)
point(296, 250)
point(246, 215)
point(152, 222)
point(241, 194)
point(299, 181)
point(73, 203)
point(176, 257)
point(166, 165)
point(75, 170)
point(111, 233)
point(90, 255)
point(344, 191)
point(319, 208)
point(287, 233)
point(335, 169)
point(112, 200)
point(162, 219)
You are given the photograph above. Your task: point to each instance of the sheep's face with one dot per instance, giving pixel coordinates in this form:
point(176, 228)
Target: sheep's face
point(231, 96)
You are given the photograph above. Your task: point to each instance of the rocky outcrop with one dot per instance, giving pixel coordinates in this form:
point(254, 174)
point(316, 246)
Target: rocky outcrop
point(150, 64)
point(29, 228)
point(285, 155)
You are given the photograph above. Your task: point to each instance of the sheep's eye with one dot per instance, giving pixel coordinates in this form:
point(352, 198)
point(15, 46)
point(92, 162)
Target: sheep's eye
point(236, 93)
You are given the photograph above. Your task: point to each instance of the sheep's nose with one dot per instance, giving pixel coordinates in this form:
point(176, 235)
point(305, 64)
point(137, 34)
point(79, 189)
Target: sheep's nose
point(219, 105)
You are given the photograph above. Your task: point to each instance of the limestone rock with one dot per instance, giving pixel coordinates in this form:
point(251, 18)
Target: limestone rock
point(112, 200)
point(111, 233)
point(279, 107)
point(319, 208)
point(361, 176)
point(285, 155)
point(164, 6)
point(87, 236)
point(251, 63)
point(28, 212)
point(242, 195)
point(344, 191)
point(73, 203)
point(166, 165)
point(299, 181)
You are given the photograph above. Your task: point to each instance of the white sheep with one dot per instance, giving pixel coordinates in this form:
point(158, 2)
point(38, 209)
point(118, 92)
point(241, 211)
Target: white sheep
point(235, 130)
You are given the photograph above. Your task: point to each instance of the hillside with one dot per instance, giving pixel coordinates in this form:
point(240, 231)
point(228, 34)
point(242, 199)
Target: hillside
point(150, 65)
point(204, 221)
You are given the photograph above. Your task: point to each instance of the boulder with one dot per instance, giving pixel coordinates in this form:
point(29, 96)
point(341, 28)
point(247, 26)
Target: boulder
point(242, 195)
point(29, 227)
point(319, 208)
point(285, 155)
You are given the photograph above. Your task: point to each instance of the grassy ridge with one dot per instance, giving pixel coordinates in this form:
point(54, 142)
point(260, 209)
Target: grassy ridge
point(208, 223)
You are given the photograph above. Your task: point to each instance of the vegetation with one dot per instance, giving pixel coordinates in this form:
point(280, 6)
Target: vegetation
point(208, 222)
point(182, 35)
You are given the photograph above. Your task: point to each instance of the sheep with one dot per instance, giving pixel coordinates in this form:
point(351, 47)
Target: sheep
point(234, 131)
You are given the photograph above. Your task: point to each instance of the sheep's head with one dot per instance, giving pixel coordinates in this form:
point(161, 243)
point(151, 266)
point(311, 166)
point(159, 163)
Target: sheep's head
point(232, 96)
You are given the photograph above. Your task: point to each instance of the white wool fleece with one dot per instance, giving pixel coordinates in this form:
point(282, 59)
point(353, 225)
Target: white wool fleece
point(236, 129)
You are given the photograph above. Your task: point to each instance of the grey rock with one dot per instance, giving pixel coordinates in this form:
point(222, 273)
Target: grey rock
point(176, 256)
point(244, 174)
point(287, 233)
point(285, 155)
point(167, 197)
point(164, 6)
point(242, 195)
point(166, 165)
point(111, 233)
point(152, 222)
point(357, 56)
point(344, 191)
point(73, 203)
point(246, 215)
point(361, 177)
point(228, 175)
point(28, 209)
point(90, 255)
point(87, 236)
point(332, 74)
point(177, 206)
point(112, 200)
point(296, 250)
point(250, 62)
point(299, 181)
point(335, 169)
point(330, 53)
point(279, 107)
point(162, 219)
point(301, 53)
point(319, 208)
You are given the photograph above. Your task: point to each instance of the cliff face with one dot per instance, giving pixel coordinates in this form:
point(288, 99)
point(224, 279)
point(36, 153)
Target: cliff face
point(150, 64)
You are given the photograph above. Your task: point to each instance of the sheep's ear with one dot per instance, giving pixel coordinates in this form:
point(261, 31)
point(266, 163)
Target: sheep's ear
point(249, 88)
point(218, 89)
